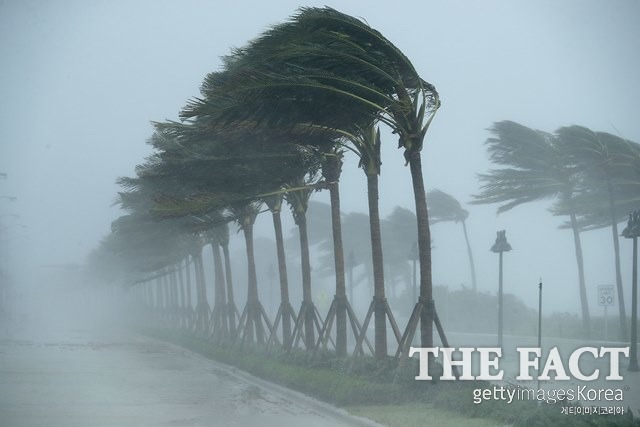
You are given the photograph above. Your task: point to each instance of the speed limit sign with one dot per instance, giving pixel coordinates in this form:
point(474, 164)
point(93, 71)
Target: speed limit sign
point(605, 295)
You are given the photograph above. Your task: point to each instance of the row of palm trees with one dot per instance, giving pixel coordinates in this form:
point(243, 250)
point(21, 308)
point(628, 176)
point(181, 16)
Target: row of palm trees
point(398, 236)
point(272, 126)
point(592, 177)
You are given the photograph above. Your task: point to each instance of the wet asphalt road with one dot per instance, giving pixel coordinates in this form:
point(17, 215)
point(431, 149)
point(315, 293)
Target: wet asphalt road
point(74, 377)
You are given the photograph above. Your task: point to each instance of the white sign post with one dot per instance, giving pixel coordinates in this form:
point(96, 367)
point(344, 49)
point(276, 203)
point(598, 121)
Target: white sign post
point(606, 294)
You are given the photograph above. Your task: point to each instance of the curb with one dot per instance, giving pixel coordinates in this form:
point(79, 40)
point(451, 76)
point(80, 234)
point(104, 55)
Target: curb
point(319, 406)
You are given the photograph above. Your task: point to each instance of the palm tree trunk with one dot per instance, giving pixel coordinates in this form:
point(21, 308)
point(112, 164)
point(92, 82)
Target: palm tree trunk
point(203, 285)
point(586, 319)
point(633, 355)
point(284, 282)
point(151, 296)
point(253, 299)
point(377, 258)
point(183, 296)
point(616, 248)
point(199, 299)
point(173, 283)
point(424, 250)
point(231, 305)
point(338, 258)
point(220, 298)
point(306, 282)
point(500, 300)
point(472, 266)
point(187, 268)
point(203, 304)
point(158, 296)
point(148, 295)
point(165, 298)
point(351, 266)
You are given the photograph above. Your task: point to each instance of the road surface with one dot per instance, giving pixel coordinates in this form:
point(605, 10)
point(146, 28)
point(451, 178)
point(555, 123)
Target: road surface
point(79, 377)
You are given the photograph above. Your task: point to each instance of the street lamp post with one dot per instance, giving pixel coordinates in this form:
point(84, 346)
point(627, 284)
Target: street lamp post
point(632, 231)
point(500, 246)
point(540, 314)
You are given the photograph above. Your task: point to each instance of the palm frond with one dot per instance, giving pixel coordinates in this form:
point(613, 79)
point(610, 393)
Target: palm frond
point(534, 168)
point(444, 207)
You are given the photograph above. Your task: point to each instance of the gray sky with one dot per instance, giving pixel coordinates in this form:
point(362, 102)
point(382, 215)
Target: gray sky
point(81, 81)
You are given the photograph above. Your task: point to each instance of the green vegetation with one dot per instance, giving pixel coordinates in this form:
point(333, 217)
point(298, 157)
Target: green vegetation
point(382, 390)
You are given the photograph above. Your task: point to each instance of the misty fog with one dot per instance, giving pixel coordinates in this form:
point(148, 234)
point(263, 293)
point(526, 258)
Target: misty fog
point(82, 82)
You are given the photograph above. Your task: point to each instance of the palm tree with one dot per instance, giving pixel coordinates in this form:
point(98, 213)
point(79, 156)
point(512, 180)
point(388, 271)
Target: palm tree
point(153, 177)
point(270, 164)
point(444, 207)
point(398, 236)
point(233, 169)
point(326, 69)
point(632, 231)
point(331, 170)
point(367, 144)
point(187, 308)
point(307, 319)
point(253, 315)
point(137, 198)
point(203, 309)
point(146, 248)
point(232, 310)
point(603, 159)
point(322, 145)
point(532, 168)
point(285, 311)
point(356, 243)
point(219, 315)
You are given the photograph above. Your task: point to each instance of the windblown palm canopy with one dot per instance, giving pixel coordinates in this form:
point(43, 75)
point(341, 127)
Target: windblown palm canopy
point(212, 171)
point(326, 70)
point(318, 81)
point(533, 168)
point(610, 168)
point(444, 207)
point(314, 70)
point(143, 245)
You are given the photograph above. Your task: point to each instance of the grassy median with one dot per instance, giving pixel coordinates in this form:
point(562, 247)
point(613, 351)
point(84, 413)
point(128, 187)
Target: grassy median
point(382, 390)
